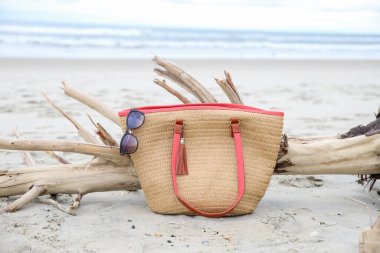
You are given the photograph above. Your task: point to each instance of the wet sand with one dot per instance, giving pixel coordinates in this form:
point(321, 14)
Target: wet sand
point(296, 215)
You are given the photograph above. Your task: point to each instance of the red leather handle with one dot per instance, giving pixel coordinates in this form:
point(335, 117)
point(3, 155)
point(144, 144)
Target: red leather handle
point(235, 131)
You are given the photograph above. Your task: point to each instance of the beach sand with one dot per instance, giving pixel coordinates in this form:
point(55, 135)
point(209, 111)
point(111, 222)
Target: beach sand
point(297, 214)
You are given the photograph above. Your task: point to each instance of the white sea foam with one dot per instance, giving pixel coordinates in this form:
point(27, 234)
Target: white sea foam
point(34, 39)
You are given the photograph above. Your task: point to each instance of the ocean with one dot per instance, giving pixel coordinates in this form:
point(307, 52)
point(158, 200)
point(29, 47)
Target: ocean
point(39, 40)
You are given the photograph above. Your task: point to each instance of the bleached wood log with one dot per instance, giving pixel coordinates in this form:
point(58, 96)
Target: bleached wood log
point(369, 239)
point(356, 155)
point(98, 175)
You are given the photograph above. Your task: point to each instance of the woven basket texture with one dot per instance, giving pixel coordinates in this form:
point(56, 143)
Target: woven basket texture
point(211, 184)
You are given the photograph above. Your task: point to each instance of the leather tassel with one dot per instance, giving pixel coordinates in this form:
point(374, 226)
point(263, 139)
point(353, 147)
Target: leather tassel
point(181, 167)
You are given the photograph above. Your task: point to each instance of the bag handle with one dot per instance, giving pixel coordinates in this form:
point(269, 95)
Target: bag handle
point(236, 134)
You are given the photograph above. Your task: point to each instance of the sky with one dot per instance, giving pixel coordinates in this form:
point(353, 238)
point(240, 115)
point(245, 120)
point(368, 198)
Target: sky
point(326, 16)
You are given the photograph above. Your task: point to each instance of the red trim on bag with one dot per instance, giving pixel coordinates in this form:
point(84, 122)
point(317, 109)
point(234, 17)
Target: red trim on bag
point(203, 106)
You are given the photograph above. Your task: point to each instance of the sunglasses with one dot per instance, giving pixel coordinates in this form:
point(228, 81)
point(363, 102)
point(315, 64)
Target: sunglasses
point(129, 142)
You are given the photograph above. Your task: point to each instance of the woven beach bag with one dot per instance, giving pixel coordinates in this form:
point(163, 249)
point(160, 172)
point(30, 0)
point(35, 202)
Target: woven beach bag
point(205, 159)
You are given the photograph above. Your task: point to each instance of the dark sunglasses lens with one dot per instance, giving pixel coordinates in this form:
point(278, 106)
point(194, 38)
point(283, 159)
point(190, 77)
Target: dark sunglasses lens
point(135, 119)
point(128, 144)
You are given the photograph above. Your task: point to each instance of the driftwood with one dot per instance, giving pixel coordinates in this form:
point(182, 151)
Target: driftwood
point(369, 239)
point(355, 152)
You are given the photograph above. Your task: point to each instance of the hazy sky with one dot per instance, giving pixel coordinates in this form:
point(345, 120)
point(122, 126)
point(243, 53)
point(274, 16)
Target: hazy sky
point(346, 16)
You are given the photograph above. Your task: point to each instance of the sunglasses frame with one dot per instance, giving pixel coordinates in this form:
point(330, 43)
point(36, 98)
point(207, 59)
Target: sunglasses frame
point(129, 131)
point(129, 113)
point(137, 146)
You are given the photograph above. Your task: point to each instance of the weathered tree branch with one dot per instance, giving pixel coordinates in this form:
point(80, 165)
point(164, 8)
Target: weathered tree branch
point(106, 138)
point(50, 201)
point(172, 91)
point(229, 88)
point(186, 81)
point(57, 157)
point(91, 102)
point(26, 198)
point(65, 146)
point(27, 157)
point(87, 136)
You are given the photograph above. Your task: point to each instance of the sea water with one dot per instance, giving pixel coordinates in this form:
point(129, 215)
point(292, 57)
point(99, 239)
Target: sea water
point(58, 40)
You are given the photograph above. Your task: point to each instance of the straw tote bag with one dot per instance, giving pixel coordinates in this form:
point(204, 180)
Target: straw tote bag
point(212, 160)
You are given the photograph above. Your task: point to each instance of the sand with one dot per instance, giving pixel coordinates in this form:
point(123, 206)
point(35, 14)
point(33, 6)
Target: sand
point(298, 214)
